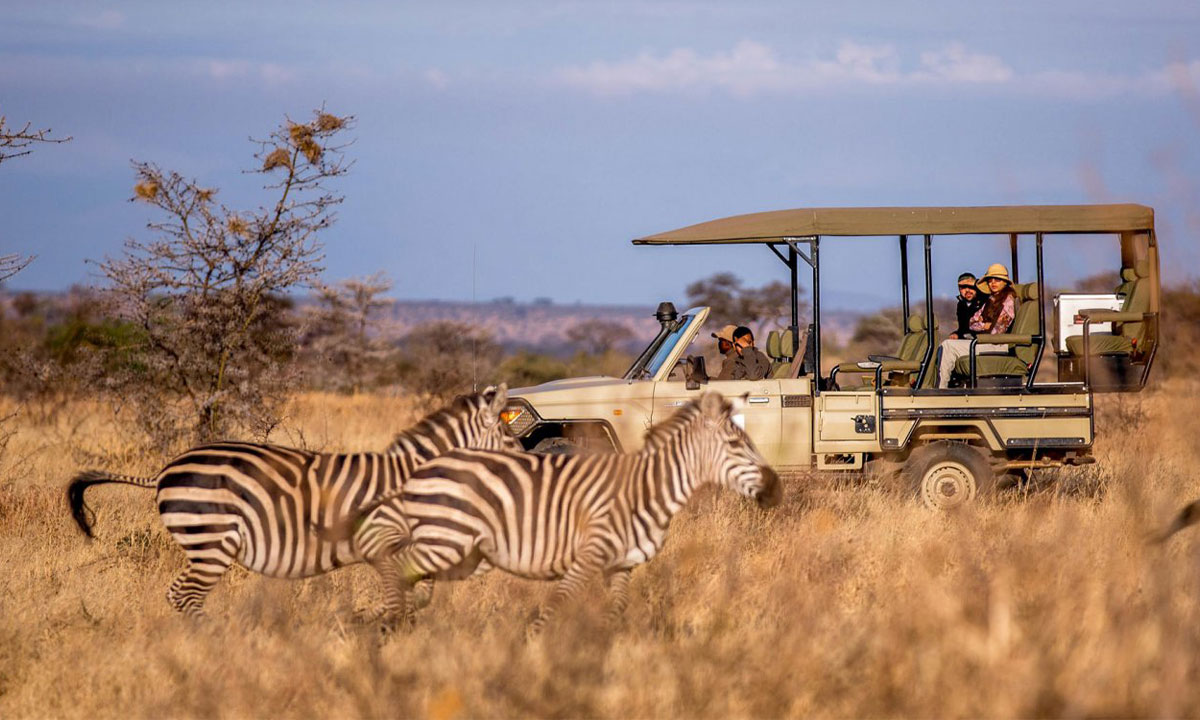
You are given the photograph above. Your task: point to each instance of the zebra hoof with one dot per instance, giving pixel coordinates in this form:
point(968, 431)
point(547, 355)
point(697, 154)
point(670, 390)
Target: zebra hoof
point(366, 616)
point(392, 626)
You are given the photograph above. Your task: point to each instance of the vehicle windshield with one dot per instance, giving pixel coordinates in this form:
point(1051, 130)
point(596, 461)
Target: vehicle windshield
point(660, 356)
point(660, 348)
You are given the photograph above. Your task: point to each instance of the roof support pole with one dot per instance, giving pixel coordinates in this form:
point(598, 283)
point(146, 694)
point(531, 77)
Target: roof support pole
point(904, 279)
point(816, 315)
point(929, 335)
point(1040, 339)
point(795, 301)
point(1016, 261)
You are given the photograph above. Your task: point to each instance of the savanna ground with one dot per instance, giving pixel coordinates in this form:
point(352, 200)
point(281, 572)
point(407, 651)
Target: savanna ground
point(845, 602)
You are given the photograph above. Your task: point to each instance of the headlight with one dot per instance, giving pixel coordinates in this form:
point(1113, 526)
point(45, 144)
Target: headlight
point(519, 418)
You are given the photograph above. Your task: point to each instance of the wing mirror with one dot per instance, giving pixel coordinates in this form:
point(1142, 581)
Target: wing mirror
point(694, 373)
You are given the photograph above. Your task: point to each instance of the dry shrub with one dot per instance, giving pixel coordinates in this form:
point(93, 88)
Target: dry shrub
point(846, 602)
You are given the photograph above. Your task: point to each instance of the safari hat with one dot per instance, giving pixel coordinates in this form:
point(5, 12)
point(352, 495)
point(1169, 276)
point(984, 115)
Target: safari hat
point(995, 270)
point(725, 333)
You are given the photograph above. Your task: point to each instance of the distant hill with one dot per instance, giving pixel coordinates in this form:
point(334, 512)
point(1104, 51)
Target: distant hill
point(543, 325)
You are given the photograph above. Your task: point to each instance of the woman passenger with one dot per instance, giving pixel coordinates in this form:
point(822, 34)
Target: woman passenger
point(995, 317)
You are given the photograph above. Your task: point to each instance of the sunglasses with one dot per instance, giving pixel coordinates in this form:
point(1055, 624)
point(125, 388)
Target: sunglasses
point(967, 287)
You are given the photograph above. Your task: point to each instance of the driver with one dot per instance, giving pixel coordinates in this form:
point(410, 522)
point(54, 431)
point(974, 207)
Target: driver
point(743, 361)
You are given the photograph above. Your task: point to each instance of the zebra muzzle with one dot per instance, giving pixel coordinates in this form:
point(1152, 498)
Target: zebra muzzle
point(771, 493)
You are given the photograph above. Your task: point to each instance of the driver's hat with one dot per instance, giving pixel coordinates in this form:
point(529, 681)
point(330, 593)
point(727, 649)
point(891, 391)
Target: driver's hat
point(725, 333)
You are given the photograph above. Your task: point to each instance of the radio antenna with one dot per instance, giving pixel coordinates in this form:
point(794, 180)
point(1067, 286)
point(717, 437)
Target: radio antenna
point(474, 331)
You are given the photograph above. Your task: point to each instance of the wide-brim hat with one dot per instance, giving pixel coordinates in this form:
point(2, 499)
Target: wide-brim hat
point(995, 270)
point(725, 333)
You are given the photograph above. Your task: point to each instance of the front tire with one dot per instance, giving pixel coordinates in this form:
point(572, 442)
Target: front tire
point(949, 475)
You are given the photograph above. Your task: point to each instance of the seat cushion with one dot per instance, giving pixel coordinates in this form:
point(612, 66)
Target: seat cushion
point(1101, 344)
point(992, 366)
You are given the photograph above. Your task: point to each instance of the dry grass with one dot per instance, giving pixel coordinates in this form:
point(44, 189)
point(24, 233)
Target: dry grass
point(841, 603)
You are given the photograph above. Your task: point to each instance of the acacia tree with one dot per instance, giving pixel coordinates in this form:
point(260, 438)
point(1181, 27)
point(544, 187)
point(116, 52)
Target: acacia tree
point(208, 288)
point(731, 303)
point(595, 336)
point(344, 328)
point(15, 143)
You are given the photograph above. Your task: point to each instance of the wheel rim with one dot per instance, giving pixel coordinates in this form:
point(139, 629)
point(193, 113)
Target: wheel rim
point(948, 484)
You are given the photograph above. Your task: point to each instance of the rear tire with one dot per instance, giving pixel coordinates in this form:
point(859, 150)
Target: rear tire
point(948, 475)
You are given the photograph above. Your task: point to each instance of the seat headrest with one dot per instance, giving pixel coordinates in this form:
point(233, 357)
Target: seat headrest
point(785, 343)
point(1142, 268)
point(1128, 274)
point(1026, 291)
point(773, 344)
point(916, 323)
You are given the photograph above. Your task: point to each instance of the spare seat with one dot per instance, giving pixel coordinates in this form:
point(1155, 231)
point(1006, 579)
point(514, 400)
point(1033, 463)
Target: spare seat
point(1129, 328)
point(907, 359)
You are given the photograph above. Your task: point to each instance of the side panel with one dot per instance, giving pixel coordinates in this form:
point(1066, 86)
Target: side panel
point(795, 449)
point(847, 422)
point(762, 408)
point(1007, 421)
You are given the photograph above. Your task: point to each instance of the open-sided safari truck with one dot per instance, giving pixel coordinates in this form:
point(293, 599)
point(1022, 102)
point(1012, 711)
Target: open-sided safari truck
point(1003, 415)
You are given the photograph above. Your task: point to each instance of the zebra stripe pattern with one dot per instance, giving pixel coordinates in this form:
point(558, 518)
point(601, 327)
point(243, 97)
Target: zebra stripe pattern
point(570, 518)
point(262, 506)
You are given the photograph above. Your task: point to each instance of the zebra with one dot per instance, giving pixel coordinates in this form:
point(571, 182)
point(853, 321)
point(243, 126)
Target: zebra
point(258, 505)
point(571, 518)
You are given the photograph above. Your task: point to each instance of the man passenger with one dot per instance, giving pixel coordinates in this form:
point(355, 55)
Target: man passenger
point(995, 316)
point(742, 361)
point(969, 302)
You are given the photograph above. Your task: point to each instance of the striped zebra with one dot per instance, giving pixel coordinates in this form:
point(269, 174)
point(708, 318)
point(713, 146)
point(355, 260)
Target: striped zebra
point(571, 518)
point(261, 505)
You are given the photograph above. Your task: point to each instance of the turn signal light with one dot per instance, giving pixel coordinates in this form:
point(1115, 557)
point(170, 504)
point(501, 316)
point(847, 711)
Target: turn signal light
point(509, 415)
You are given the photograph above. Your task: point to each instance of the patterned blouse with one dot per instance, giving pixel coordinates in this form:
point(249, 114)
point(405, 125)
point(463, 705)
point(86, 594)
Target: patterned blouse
point(1002, 324)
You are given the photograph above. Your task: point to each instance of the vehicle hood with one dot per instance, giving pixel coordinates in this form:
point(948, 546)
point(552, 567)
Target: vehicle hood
point(587, 397)
point(553, 386)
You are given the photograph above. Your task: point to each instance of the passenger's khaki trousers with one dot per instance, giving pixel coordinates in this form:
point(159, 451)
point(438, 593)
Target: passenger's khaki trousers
point(952, 350)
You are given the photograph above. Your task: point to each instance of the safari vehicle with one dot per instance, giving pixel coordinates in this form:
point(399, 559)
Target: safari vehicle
point(1005, 414)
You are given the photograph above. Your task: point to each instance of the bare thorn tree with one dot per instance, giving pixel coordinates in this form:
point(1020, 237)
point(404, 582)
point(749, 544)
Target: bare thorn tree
point(207, 288)
point(15, 143)
point(12, 264)
point(346, 325)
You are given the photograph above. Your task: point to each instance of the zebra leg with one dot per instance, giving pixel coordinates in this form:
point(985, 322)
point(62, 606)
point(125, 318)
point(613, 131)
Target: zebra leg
point(190, 588)
point(398, 607)
point(618, 590)
point(422, 593)
point(588, 566)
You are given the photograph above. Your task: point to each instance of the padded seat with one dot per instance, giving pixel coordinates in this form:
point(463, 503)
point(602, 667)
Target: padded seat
point(1126, 335)
point(779, 350)
point(908, 357)
point(1102, 343)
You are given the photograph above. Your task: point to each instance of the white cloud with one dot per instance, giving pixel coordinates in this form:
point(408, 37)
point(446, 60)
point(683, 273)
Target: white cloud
point(955, 63)
point(270, 73)
point(104, 20)
point(752, 68)
point(437, 78)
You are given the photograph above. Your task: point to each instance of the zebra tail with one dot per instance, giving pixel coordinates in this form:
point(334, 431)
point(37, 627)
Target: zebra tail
point(83, 515)
point(1189, 515)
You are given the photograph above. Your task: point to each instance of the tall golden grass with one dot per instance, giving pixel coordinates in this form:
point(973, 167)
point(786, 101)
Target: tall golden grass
point(847, 601)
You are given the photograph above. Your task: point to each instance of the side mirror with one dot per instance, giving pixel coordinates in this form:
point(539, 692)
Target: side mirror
point(694, 373)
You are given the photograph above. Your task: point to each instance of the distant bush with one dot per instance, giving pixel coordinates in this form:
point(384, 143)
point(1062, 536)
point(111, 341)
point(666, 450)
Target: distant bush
point(443, 359)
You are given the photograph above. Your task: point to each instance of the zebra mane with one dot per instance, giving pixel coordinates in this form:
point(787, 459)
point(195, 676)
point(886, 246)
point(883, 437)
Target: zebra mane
point(461, 406)
point(663, 433)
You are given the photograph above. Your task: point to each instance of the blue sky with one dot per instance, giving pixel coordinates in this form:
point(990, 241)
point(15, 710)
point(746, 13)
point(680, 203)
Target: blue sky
point(540, 137)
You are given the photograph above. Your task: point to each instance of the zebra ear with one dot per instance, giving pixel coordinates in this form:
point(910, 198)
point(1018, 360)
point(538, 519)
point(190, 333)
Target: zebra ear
point(498, 399)
point(713, 407)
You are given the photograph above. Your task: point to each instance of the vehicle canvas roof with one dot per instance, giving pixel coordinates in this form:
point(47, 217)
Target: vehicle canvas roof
point(777, 225)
